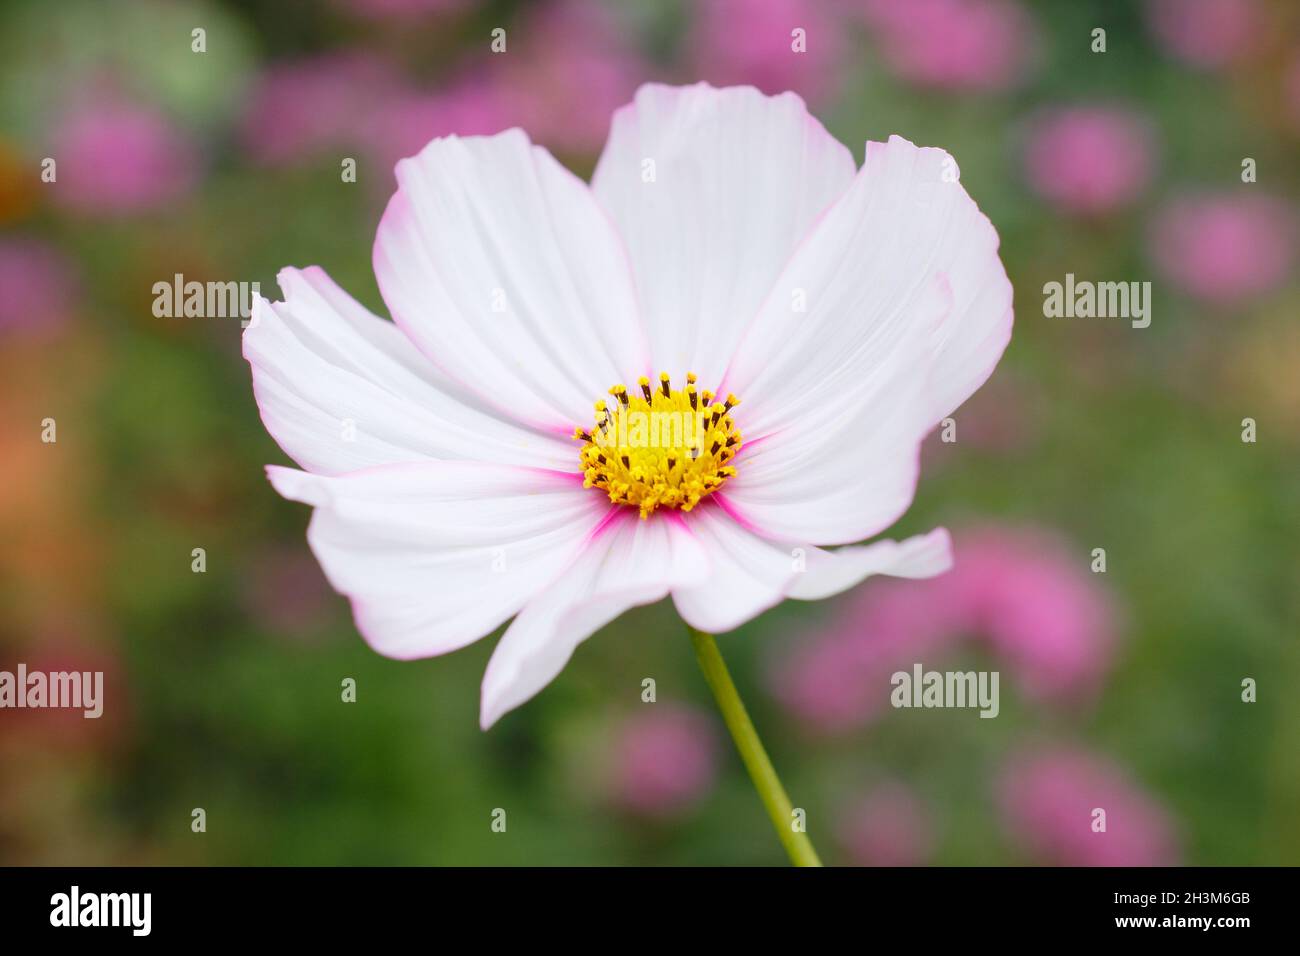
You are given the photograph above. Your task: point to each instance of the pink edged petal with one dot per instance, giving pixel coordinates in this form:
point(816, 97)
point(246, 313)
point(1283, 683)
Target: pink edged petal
point(750, 573)
point(711, 190)
point(627, 562)
point(502, 268)
point(341, 389)
point(904, 256)
point(840, 480)
point(435, 555)
point(908, 311)
point(830, 572)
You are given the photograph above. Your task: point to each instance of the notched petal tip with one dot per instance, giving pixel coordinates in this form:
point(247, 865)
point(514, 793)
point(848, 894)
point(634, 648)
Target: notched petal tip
point(292, 281)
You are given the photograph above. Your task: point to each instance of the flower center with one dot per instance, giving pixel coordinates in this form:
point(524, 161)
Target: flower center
point(663, 448)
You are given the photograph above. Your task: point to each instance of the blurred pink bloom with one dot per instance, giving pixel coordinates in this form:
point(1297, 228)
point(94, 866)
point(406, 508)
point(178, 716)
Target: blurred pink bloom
point(742, 42)
point(117, 157)
point(571, 66)
point(402, 126)
point(1291, 89)
point(1205, 33)
point(841, 679)
point(1035, 602)
point(301, 108)
point(1023, 593)
point(1225, 249)
point(1048, 799)
point(1089, 160)
point(664, 760)
point(974, 45)
point(401, 9)
point(888, 827)
point(565, 71)
point(37, 283)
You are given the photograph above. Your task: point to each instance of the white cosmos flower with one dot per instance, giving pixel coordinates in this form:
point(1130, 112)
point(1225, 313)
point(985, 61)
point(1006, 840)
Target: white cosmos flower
point(725, 234)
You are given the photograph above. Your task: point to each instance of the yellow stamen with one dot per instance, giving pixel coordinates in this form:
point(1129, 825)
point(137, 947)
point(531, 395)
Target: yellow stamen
point(665, 449)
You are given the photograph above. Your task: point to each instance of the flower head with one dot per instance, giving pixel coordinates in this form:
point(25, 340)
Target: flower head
point(725, 236)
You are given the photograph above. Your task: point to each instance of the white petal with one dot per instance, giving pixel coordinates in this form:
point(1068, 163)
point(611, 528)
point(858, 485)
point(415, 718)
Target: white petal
point(434, 555)
point(830, 572)
point(341, 389)
point(500, 265)
point(841, 479)
point(627, 563)
point(750, 573)
point(908, 311)
point(738, 178)
point(904, 255)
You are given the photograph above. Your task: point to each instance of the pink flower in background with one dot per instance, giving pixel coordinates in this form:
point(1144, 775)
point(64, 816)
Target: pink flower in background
point(570, 66)
point(38, 286)
point(738, 41)
point(1026, 596)
point(402, 9)
point(469, 106)
point(1225, 249)
point(971, 45)
point(567, 68)
point(665, 760)
point(298, 109)
point(889, 826)
point(1090, 160)
point(116, 157)
point(1034, 601)
point(1205, 33)
point(841, 680)
point(1048, 799)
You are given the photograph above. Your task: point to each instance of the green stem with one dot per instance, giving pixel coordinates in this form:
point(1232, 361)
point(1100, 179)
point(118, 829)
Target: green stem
point(766, 782)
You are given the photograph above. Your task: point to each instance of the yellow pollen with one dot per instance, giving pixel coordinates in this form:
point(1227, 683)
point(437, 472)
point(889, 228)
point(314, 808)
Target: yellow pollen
point(664, 448)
